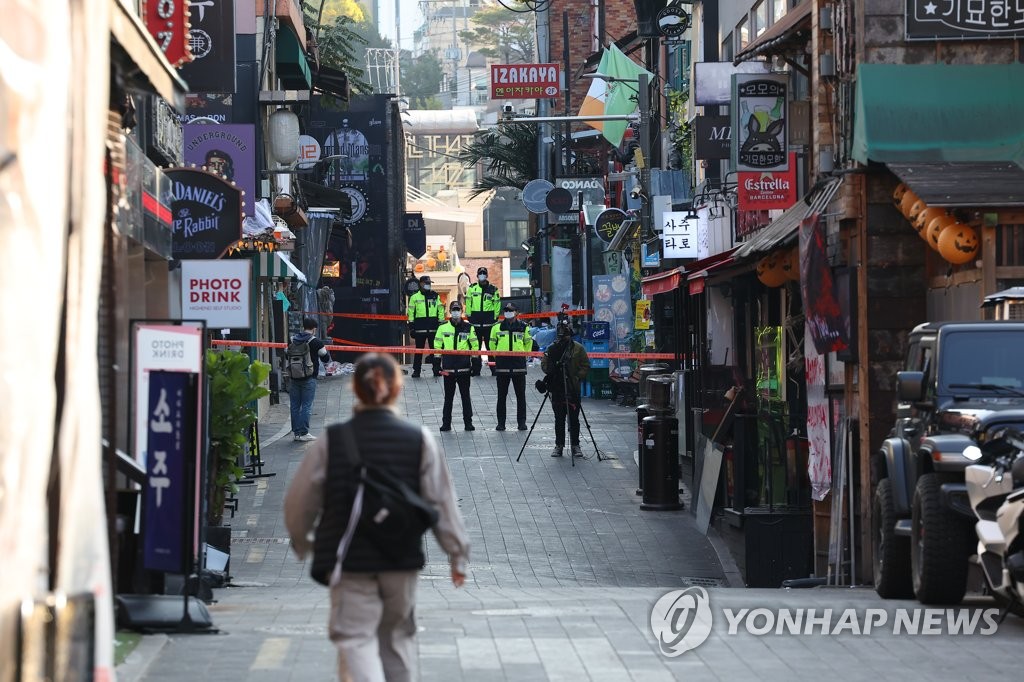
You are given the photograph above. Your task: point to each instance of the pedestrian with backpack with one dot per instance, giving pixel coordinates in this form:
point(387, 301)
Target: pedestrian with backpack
point(302, 363)
point(376, 484)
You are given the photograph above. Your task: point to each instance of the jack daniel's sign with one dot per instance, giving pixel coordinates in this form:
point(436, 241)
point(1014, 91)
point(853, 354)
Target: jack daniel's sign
point(206, 214)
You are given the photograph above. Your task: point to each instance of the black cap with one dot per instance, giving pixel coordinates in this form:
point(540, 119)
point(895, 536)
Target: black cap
point(510, 307)
point(455, 305)
point(481, 271)
point(425, 279)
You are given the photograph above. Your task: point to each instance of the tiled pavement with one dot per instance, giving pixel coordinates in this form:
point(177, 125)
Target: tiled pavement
point(564, 571)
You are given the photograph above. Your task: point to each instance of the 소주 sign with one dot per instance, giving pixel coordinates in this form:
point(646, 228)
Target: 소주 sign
point(206, 211)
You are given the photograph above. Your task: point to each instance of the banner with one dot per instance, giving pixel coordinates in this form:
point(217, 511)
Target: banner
point(229, 150)
point(415, 234)
point(822, 310)
point(207, 213)
point(611, 298)
point(759, 123)
point(170, 419)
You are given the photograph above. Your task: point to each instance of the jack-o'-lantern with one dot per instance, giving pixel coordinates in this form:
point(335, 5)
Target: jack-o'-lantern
point(908, 200)
point(958, 243)
point(791, 264)
point(916, 210)
point(926, 216)
point(931, 233)
point(769, 270)
point(897, 194)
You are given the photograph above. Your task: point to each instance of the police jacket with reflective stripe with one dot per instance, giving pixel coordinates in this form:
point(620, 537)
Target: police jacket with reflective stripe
point(511, 335)
point(456, 337)
point(425, 311)
point(483, 303)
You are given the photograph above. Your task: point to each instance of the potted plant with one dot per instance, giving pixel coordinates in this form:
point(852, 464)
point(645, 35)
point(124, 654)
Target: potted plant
point(236, 382)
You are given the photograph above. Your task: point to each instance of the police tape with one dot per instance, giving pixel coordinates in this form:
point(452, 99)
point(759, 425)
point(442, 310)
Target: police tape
point(363, 347)
point(356, 316)
point(553, 313)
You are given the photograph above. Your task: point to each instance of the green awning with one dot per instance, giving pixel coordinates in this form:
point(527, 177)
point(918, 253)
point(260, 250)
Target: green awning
point(292, 65)
point(935, 113)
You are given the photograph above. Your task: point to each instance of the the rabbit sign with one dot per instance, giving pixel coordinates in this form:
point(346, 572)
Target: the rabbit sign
point(759, 103)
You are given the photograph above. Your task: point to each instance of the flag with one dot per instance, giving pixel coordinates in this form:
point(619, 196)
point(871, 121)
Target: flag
point(613, 97)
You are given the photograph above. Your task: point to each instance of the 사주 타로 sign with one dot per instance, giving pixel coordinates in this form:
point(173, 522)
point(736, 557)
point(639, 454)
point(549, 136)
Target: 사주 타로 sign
point(206, 213)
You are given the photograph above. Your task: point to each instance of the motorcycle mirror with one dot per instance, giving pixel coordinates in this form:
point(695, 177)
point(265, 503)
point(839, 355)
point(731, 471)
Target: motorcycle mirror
point(972, 452)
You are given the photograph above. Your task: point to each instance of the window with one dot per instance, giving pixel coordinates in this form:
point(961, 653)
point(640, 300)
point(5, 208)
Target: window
point(779, 8)
point(742, 34)
point(760, 15)
point(727, 51)
point(507, 236)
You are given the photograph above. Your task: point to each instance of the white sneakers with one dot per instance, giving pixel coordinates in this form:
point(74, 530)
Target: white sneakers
point(305, 438)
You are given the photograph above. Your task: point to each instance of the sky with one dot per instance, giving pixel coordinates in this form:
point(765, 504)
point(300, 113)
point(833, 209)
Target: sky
point(409, 11)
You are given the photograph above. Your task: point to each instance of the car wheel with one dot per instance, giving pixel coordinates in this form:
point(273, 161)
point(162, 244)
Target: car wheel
point(891, 552)
point(940, 546)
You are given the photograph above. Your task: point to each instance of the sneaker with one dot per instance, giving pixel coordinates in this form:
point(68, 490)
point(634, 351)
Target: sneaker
point(446, 427)
point(522, 427)
point(499, 427)
point(557, 452)
point(306, 437)
point(577, 451)
point(470, 427)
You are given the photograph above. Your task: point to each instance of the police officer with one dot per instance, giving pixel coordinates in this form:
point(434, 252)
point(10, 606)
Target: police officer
point(565, 364)
point(426, 313)
point(483, 303)
point(456, 334)
point(511, 334)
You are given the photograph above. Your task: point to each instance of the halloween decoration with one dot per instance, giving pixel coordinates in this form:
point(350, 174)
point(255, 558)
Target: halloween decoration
point(897, 195)
point(908, 200)
point(926, 216)
point(769, 270)
point(916, 210)
point(958, 243)
point(791, 264)
point(931, 233)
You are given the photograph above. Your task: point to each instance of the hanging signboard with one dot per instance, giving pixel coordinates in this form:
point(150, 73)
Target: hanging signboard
point(759, 122)
point(712, 84)
point(765, 191)
point(607, 225)
point(524, 81)
point(212, 38)
point(207, 213)
point(217, 292)
point(593, 194)
point(712, 137)
point(170, 425)
point(415, 234)
point(228, 150)
point(963, 19)
point(679, 236)
point(167, 21)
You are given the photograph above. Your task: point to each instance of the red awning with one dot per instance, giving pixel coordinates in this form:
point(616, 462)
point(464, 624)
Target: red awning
point(699, 269)
point(661, 283)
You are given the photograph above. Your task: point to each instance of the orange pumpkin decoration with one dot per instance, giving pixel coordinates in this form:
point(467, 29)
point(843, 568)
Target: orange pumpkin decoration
point(791, 264)
point(958, 243)
point(926, 216)
point(931, 233)
point(908, 200)
point(897, 194)
point(916, 210)
point(769, 270)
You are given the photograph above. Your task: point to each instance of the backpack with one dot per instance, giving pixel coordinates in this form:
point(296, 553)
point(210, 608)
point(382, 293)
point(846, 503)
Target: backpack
point(300, 362)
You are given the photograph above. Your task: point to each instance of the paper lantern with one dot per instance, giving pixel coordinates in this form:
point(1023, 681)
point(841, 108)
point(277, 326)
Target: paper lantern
point(908, 200)
point(958, 243)
point(916, 210)
point(926, 216)
point(931, 233)
point(283, 137)
point(791, 264)
point(897, 194)
point(769, 270)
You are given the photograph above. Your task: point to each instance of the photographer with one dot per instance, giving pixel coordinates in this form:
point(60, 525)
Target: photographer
point(565, 364)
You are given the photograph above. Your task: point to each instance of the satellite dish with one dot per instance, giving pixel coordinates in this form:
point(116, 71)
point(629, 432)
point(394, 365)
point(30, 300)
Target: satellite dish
point(535, 195)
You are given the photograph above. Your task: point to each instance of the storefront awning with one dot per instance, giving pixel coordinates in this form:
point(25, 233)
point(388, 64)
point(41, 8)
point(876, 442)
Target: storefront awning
point(698, 271)
point(939, 113)
point(128, 31)
point(661, 283)
point(783, 229)
point(794, 27)
point(276, 265)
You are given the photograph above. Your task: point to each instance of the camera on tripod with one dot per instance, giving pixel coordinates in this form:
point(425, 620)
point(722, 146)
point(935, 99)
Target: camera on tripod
point(542, 386)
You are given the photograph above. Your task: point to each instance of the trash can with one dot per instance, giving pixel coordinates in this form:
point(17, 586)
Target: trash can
point(659, 392)
point(646, 372)
point(642, 412)
point(660, 463)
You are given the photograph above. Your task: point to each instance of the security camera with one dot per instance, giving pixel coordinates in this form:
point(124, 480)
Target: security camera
point(508, 112)
point(635, 193)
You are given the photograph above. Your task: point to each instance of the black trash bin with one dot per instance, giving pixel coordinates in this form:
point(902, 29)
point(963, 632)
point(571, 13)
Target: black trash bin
point(642, 412)
point(660, 463)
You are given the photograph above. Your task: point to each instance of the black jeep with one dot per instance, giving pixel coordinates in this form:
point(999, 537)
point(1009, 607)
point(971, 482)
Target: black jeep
point(959, 376)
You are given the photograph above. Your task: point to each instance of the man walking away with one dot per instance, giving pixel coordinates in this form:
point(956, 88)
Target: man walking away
point(565, 364)
point(426, 313)
point(482, 305)
point(303, 358)
point(456, 334)
point(511, 334)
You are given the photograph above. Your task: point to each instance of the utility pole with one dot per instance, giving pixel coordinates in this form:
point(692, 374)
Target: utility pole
point(398, 49)
point(644, 101)
point(543, 170)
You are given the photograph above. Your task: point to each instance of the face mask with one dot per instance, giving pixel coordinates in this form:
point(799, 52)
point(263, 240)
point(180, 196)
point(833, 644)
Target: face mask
point(426, 287)
point(456, 316)
point(481, 278)
point(509, 315)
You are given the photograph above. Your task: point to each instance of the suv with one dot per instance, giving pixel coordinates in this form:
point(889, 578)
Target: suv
point(960, 378)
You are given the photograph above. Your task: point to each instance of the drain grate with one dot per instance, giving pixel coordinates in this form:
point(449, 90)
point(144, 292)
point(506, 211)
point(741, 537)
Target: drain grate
point(701, 582)
point(260, 541)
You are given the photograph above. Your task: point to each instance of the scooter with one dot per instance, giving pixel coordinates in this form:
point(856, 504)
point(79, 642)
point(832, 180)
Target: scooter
point(995, 488)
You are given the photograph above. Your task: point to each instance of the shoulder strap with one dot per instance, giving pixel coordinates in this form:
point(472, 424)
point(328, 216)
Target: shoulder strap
point(352, 455)
point(348, 442)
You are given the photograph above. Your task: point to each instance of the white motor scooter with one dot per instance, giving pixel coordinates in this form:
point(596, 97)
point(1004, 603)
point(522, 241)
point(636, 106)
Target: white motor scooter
point(995, 487)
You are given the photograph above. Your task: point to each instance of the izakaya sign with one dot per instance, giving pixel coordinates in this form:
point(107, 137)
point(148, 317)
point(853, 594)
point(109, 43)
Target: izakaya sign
point(764, 191)
point(216, 292)
point(516, 81)
point(206, 211)
point(759, 125)
point(167, 22)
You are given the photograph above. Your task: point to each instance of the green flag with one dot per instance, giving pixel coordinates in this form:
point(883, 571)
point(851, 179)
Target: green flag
point(621, 97)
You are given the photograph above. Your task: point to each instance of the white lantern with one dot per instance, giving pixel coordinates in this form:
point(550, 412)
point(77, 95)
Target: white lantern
point(283, 137)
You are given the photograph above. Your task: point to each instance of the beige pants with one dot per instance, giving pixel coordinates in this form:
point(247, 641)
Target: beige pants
point(373, 626)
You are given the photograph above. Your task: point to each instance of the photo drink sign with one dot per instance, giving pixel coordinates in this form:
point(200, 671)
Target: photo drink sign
point(759, 122)
point(217, 292)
